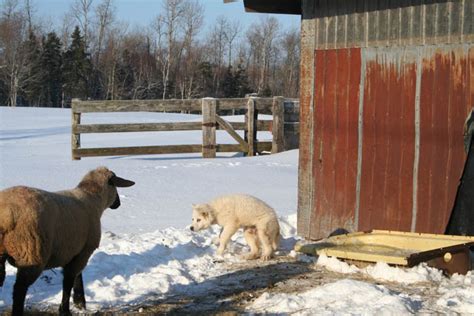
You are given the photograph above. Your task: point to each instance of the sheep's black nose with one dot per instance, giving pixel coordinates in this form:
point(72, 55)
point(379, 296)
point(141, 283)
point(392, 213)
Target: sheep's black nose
point(192, 228)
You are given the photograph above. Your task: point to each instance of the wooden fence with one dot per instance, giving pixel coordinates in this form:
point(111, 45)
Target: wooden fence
point(210, 109)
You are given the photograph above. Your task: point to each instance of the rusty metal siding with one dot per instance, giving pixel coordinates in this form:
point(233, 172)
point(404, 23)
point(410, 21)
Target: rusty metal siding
point(445, 102)
point(410, 163)
point(386, 87)
point(372, 23)
point(335, 142)
point(388, 143)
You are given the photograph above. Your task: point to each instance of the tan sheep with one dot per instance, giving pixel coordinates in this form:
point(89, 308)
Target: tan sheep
point(41, 230)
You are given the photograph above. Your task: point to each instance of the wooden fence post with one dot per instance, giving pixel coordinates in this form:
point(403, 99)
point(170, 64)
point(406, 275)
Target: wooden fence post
point(278, 111)
point(209, 109)
point(75, 138)
point(251, 125)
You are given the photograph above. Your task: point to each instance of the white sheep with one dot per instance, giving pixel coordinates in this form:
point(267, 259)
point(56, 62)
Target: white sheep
point(42, 230)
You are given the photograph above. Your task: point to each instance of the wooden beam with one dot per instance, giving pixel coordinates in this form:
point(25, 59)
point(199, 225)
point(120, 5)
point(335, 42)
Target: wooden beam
point(137, 106)
point(75, 137)
point(142, 150)
point(226, 126)
point(278, 125)
point(251, 132)
point(157, 150)
point(137, 127)
point(209, 106)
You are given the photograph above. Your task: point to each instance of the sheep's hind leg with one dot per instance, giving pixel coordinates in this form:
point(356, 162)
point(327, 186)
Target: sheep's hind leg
point(78, 292)
point(24, 278)
point(3, 259)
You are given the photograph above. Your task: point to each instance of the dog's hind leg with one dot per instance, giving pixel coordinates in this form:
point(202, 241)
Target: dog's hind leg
point(267, 249)
point(250, 234)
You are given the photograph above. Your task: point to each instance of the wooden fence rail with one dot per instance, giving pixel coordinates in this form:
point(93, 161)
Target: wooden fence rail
point(210, 109)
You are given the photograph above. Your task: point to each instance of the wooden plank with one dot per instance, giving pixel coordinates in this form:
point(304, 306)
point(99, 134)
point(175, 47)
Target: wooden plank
point(226, 126)
point(137, 106)
point(75, 137)
point(142, 150)
point(156, 150)
point(173, 105)
point(278, 125)
point(138, 127)
point(260, 147)
point(209, 106)
point(251, 127)
point(159, 127)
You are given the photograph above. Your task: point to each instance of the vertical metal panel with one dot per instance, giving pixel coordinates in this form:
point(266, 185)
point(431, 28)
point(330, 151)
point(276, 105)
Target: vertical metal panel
point(388, 144)
point(444, 108)
point(335, 139)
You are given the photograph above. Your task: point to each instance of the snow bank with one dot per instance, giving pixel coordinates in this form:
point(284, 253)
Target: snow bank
point(348, 297)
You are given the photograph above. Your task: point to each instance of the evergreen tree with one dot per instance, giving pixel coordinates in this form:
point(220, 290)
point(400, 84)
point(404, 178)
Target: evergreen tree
point(33, 75)
point(205, 80)
point(77, 68)
point(242, 82)
point(51, 61)
point(229, 84)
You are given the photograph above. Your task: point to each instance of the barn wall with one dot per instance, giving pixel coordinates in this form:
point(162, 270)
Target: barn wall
point(386, 88)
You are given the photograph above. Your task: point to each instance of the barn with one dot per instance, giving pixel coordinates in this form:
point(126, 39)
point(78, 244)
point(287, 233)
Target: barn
point(386, 88)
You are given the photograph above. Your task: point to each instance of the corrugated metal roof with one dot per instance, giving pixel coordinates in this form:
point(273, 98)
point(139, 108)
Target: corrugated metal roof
point(273, 6)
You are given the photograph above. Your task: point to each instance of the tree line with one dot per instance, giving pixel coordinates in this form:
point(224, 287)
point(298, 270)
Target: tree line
point(93, 55)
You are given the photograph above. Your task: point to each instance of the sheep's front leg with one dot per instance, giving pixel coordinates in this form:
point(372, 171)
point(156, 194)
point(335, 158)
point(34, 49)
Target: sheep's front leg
point(225, 236)
point(69, 276)
point(24, 278)
point(78, 293)
point(71, 272)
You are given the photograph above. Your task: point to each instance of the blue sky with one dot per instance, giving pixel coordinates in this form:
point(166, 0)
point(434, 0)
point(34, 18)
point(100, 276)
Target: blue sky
point(141, 12)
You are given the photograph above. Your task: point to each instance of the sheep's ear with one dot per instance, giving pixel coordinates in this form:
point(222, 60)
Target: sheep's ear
point(120, 182)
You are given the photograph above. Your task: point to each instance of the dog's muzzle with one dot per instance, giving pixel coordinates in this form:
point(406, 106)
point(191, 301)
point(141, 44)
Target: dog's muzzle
point(192, 228)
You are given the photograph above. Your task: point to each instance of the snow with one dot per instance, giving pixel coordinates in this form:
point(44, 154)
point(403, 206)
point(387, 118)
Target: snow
point(147, 250)
point(347, 296)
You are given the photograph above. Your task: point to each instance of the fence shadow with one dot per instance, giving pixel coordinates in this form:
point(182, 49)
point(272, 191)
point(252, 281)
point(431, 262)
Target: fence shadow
point(221, 293)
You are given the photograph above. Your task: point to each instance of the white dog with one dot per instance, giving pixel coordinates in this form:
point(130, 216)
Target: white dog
point(259, 221)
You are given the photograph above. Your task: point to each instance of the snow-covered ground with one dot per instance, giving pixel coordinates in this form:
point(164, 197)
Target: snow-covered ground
point(147, 252)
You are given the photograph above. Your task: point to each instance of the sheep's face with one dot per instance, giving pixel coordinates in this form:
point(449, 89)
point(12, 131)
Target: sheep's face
point(202, 217)
point(104, 183)
point(113, 183)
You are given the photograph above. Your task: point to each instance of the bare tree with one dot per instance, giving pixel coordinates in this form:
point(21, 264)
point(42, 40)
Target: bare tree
point(290, 47)
point(261, 37)
point(167, 29)
point(12, 35)
point(105, 17)
point(231, 33)
point(81, 10)
point(189, 54)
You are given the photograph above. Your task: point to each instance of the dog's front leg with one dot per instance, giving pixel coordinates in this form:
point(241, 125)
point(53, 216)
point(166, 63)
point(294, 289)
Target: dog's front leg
point(226, 234)
point(215, 240)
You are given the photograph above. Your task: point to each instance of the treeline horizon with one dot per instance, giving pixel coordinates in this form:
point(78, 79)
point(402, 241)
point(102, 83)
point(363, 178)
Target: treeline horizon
point(95, 56)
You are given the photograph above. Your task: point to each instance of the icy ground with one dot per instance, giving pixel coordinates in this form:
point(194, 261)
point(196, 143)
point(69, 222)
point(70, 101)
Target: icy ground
point(150, 261)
